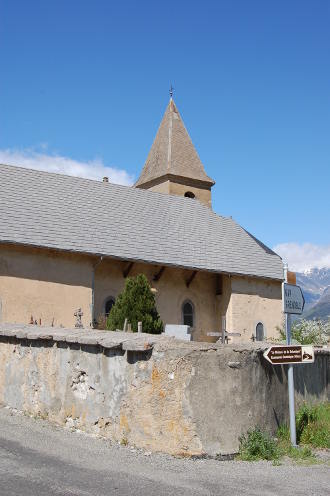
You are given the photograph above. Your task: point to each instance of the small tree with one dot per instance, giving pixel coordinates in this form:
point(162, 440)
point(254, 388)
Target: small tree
point(137, 304)
point(305, 331)
point(311, 331)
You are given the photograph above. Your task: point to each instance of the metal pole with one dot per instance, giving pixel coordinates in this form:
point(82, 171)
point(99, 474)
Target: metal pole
point(292, 415)
point(293, 436)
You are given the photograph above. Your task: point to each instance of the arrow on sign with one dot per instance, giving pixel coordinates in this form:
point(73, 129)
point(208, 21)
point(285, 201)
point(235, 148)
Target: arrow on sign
point(281, 355)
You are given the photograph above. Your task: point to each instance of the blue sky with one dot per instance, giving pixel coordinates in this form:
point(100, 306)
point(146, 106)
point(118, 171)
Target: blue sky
point(84, 85)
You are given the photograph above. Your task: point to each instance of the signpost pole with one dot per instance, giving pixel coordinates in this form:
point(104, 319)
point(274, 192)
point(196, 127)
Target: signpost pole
point(291, 386)
point(293, 436)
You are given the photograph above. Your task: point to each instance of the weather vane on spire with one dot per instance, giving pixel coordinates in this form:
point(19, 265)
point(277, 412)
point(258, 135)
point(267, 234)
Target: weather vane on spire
point(171, 91)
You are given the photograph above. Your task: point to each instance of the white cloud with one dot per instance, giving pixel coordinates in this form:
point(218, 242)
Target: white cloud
point(41, 160)
point(304, 256)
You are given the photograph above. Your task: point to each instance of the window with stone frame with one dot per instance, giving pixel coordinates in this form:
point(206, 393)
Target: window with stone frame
point(109, 302)
point(260, 332)
point(188, 313)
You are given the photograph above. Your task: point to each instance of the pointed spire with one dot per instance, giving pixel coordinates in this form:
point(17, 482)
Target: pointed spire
point(172, 154)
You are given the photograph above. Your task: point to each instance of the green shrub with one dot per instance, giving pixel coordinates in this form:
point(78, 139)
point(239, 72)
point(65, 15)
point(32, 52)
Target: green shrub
point(305, 415)
point(313, 425)
point(257, 445)
point(137, 304)
point(313, 430)
point(316, 435)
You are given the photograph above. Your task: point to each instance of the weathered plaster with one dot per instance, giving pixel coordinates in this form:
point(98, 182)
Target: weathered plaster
point(46, 284)
point(255, 300)
point(153, 392)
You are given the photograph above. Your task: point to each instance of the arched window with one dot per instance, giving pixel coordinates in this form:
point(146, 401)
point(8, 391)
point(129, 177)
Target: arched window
point(109, 303)
point(188, 314)
point(189, 194)
point(260, 332)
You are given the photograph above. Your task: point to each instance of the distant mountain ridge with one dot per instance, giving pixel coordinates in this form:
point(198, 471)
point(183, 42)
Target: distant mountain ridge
point(315, 284)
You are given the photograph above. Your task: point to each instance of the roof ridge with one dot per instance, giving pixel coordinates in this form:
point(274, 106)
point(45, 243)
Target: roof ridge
point(138, 191)
point(21, 167)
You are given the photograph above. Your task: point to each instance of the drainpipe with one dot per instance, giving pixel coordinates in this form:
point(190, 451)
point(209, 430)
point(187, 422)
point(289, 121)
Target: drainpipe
point(93, 290)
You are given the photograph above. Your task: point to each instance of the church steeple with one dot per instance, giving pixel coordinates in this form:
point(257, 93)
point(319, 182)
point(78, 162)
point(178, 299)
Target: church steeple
point(173, 165)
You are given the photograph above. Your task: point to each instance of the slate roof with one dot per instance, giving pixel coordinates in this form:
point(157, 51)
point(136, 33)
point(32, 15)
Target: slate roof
point(172, 152)
point(68, 213)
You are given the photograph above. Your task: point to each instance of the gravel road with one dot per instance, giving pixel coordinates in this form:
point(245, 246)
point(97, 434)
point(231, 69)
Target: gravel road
point(39, 459)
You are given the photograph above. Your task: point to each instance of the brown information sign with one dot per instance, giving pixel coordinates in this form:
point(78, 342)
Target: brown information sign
point(279, 355)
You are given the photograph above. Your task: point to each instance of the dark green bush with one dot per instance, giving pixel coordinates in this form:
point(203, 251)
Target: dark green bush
point(137, 304)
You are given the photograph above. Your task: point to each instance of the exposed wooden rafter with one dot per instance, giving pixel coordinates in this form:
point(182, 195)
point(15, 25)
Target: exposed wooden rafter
point(219, 288)
point(128, 269)
point(159, 274)
point(191, 278)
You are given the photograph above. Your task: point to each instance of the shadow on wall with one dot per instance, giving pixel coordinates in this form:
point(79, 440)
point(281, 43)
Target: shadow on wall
point(310, 380)
point(272, 371)
point(46, 265)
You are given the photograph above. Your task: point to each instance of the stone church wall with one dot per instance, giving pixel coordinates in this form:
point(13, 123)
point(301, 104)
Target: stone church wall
point(172, 292)
point(151, 392)
point(51, 286)
point(43, 284)
point(253, 301)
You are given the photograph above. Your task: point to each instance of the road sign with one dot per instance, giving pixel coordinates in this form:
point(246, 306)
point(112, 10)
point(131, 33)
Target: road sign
point(280, 355)
point(293, 299)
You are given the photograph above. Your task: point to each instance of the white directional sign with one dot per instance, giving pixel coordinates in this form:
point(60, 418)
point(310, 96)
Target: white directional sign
point(293, 299)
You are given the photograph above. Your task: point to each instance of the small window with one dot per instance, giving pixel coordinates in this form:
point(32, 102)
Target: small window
point(108, 305)
point(189, 194)
point(260, 332)
point(188, 314)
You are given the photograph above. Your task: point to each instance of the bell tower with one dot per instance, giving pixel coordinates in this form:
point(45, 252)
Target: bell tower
point(173, 165)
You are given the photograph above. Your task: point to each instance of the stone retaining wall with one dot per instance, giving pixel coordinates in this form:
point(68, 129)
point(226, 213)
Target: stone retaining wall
point(153, 392)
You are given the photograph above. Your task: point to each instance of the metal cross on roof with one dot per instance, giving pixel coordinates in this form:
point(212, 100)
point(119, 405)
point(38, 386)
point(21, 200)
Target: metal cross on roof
point(171, 91)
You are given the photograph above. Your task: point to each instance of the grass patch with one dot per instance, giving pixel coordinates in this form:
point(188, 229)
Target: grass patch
point(313, 425)
point(313, 431)
point(301, 453)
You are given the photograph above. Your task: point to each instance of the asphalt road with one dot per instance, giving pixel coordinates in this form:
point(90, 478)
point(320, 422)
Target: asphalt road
point(38, 459)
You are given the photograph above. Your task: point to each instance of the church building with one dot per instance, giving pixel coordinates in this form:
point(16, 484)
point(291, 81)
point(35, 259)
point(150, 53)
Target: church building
point(69, 243)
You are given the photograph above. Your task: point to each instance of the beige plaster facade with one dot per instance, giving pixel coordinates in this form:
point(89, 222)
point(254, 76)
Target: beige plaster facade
point(50, 286)
point(44, 284)
point(172, 292)
point(175, 188)
point(254, 301)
